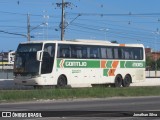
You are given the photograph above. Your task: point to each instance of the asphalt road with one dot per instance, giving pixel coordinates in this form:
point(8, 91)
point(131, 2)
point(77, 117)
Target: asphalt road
point(105, 107)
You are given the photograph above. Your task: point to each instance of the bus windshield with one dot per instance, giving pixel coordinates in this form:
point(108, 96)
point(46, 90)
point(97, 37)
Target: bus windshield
point(29, 47)
point(25, 60)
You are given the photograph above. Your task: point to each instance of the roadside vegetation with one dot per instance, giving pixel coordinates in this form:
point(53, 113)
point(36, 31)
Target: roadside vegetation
point(152, 64)
point(68, 93)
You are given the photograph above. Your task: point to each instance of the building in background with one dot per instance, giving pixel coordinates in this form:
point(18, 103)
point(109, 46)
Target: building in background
point(7, 60)
point(152, 54)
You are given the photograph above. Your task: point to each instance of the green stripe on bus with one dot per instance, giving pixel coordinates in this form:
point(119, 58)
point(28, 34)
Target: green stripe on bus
point(109, 64)
point(122, 63)
point(132, 64)
point(105, 72)
point(79, 63)
point(135, 64)
point(65, 63)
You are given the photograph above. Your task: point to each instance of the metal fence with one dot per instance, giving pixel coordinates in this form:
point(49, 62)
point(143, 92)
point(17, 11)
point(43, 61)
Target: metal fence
point(6, 74)
point(152, 73)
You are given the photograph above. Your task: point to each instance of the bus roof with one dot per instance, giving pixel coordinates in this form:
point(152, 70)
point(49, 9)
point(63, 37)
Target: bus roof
point(84, 41)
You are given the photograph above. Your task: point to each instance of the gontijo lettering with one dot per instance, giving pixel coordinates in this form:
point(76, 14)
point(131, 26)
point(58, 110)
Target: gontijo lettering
point(75, 63)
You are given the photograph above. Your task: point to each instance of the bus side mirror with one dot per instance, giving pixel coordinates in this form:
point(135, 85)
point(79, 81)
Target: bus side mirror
point(39, 56)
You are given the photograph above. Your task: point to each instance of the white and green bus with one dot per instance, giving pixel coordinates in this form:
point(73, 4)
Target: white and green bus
point(78, 63)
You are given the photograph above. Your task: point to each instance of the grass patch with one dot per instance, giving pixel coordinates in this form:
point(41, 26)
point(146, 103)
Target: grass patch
point(95, 92)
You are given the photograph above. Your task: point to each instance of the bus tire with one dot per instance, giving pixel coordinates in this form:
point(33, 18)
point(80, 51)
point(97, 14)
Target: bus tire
point(118, 81)
point(62, 81)
point(127, 80)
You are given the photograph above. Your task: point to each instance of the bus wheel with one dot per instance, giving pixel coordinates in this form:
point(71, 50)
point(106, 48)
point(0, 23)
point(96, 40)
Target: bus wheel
point(127, 80)
point(62, 81)
point(118, 81)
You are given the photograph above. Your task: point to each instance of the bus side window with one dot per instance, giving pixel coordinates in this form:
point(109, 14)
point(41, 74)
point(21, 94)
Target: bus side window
point(84, 53)
point(138, 53)
point(103, 53)
point(73, 53)
point(131, 57)
point(79, 53)
point(141, 53)
point(116, 53)
point(94, 52)
point(126, 54)
point(120, 56)
point(64, 53)
point(109, 53)
point(76, 51)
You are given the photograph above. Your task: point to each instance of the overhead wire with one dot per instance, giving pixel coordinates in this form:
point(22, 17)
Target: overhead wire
point(93, 27)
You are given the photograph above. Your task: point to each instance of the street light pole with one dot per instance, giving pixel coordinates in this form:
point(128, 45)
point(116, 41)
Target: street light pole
point(105, 32)
point(29, 28)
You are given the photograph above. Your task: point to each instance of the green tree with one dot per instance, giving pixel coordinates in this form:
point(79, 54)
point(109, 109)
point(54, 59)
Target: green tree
point(150, 64)
point(158, 64)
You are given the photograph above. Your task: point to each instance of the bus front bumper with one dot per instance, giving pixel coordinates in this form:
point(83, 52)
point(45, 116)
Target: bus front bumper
point(28, 81)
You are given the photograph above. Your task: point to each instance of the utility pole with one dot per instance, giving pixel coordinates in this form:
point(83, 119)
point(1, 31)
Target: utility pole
point(62, 20)
point(28, 28)
point(63, 5)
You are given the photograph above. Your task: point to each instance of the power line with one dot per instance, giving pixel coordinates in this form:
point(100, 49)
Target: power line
point(117, 14)
point(22, 14)
point(13, 33)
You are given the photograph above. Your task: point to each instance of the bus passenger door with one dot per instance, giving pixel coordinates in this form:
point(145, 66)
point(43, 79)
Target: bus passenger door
point(48, 58)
